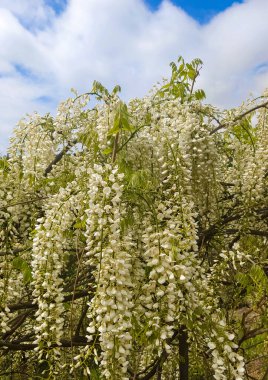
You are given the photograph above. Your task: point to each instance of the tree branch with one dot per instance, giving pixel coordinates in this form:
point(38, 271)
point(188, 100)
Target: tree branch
point(13, 346)
point(59, 156)
point(18, 250)
point(239, 117)
point(19, 321)
point(184, 353)
point(216, 227)
point(30, 305)
point(252, 334)
point(163, 357)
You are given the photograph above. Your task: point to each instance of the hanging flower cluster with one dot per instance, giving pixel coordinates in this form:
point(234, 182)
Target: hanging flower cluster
point(124, 230)
point(9, 284)
point(49, 243)
point(108, 252)
point(32, 147)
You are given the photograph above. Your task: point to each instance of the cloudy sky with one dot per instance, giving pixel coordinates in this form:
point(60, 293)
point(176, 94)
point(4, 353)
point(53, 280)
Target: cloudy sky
point(49, 46)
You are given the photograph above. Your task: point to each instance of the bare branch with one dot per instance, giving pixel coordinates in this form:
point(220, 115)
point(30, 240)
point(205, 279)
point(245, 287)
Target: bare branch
point(59, 156)
point(163, 357)
point(30, 305)
point(14, 252)
point(19, 321)
point(252, 334)
point(239, 117)
point(13, 346)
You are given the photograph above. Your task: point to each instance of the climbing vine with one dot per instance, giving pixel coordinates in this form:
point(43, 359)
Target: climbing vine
point(133, 241)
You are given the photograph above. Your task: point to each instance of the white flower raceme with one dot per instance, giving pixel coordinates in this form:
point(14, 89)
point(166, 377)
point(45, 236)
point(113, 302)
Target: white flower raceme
point(108, 252)
point(32, 148)
point(10, 282)
point(146, 217)
point(256, 166)
point(225, 360)
point(49, 244)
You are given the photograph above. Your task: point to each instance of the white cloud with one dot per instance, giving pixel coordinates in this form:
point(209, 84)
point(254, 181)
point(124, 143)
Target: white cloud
point(234, 44)
point(122, 41)
point(17, 98)
point(33, 14)
point(18, 45)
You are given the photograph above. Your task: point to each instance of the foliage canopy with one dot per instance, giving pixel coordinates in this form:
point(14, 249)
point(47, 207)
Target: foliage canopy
point(134, 238)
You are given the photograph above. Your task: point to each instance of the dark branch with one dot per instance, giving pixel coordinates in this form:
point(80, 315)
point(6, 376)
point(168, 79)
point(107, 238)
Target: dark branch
point(59, 156)
point(252, 334)
point(239, 117)
point(225, 220)
point(19, 320)
point(81, 319)
point(13, 346)
point(25, 202)
point(14, 252)
point(163, 357)
point(30, 305)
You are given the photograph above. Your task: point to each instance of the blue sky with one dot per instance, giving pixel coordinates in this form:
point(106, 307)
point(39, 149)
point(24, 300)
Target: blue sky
point(200, 10)
point(57, 5)
point(50, 46)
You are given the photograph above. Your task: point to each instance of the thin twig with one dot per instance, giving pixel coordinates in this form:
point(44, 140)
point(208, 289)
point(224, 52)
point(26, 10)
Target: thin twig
point(239, 117)
point(13, 346)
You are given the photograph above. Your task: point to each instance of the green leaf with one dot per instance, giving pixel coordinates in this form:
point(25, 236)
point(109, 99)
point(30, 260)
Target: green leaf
point(197, 62)
point(27, 275)
point(199, 94)
point(173, 66)
point(4, 164)
point(148, 119)
point(192, 74)
point(181, 68)
point(99, 89)
point(245, 132)
point(89, 137)
point(21, 265)
point(80, 224)
point(107, 151)
point(181, 78)
point(17, 263)
point(116, 89)
point(95, 373)
point(121, 119)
